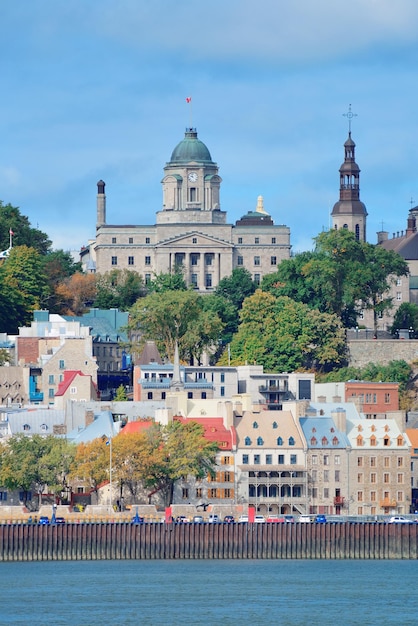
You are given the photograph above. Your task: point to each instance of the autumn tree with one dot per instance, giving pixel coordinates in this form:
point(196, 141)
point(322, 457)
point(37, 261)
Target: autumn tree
point(76, 294)
point(176, 450)
point(284, 335)
point(176, 316)
point(58, 266)
point(91, 462)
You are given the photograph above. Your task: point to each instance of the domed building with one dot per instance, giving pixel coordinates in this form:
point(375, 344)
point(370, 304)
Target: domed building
point(191, 230)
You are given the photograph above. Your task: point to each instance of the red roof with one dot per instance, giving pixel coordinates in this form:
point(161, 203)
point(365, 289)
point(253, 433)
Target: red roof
point(136, 427)
point(214, 430)
point(69, 376)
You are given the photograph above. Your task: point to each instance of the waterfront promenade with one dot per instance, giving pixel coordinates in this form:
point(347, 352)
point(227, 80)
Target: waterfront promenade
point(99, 541)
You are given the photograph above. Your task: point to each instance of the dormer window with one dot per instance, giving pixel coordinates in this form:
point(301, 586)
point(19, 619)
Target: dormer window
point(314, 441)
point(399, 440)
point(335, 441)
point(255, 425)
point(26, 427)
point(359, 440)
point(324, 441)
point(44, 427)
point(274, 424)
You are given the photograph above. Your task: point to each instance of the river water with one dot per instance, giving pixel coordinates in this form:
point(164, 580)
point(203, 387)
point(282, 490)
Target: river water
point(234, 592)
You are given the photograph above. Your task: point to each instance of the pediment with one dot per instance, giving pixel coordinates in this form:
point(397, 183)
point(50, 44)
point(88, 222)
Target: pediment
point(187, 239)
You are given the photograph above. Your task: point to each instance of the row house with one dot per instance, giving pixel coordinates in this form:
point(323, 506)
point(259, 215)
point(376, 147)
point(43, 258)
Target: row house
point(271, 462)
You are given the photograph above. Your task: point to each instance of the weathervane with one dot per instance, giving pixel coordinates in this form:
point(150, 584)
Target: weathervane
point(349, 115)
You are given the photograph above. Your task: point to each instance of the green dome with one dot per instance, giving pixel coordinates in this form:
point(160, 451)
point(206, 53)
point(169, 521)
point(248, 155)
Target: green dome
point(190, 149)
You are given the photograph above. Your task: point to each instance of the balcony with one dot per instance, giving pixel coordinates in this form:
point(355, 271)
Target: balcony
point(387, 503)
point(338, 501)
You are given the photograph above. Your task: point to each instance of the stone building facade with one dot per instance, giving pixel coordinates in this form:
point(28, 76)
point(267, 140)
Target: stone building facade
point(191, 230)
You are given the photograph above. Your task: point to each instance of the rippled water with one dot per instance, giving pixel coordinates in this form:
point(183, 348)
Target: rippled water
point(209, 592)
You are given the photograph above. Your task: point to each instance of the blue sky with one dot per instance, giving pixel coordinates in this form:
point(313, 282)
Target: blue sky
point(96, 89)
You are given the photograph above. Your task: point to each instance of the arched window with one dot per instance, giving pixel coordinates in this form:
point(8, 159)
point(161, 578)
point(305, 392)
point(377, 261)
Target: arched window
point(357, 232)
point(274, 424)
point(279, 441)
point(255, 425)
point(291, 441)
point(247, 441)
point(260, 441)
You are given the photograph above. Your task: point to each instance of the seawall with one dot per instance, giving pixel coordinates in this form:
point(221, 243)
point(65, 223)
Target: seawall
point(26, 542)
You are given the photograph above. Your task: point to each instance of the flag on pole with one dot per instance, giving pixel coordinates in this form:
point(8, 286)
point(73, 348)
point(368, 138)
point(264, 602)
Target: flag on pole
point(188, 99)
point(11, 232)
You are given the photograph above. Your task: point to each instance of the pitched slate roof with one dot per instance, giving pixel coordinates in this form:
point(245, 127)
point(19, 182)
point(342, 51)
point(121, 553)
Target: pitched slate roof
point(69, 376)
point(102, 426)
point(321, 432)
point(35, 421)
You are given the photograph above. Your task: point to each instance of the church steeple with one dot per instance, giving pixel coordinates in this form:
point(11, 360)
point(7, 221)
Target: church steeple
point(349, 212)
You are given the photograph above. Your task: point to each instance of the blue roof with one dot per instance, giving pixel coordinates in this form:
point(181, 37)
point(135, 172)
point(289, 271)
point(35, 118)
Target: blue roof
point(102, 426)
point(321, 432)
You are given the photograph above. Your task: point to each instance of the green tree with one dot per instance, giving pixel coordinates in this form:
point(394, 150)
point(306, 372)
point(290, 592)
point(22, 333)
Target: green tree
point(171, 281)
point(284, 335)
point(381, 268)
point(236, 287)
point(172, 317)
point(120, 395)
point(228, 314)
point(341, 276)
point(406, 317)
point(24, 284)
point(33, 463)
point(23, 233)
point(4, 356)
point(118, 289)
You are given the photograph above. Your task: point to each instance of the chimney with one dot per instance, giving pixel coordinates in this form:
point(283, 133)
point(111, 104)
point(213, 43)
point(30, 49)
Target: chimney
point(340, 419)
point(101, 204)
point(89, 417)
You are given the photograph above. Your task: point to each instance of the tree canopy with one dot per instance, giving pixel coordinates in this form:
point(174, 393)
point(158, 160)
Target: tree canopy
point(118, 289)
point(172, 317)
point(284, 335)
point(236, 287)
point(341, 276)
point(23, 233)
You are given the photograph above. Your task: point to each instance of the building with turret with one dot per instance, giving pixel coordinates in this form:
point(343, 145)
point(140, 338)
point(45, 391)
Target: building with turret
point(191, 230)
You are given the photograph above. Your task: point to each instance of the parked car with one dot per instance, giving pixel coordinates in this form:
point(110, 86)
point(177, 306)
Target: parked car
point(198, 519)
point(289, 519)
point(43, 520)
point(275, 519)
point(137, 520)
point(320, 519)
point(60, 520)
point(399, 519)
point(229, 519)
point(182, 519)
point(243, 519)
point(304, 519)
point(214, 519)
point(259, 519)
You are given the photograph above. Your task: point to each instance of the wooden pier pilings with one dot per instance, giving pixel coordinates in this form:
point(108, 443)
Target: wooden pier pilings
point(98, 541)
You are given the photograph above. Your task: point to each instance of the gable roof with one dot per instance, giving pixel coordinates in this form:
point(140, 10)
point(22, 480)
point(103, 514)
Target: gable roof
point(69, 376)
point(214, 430)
